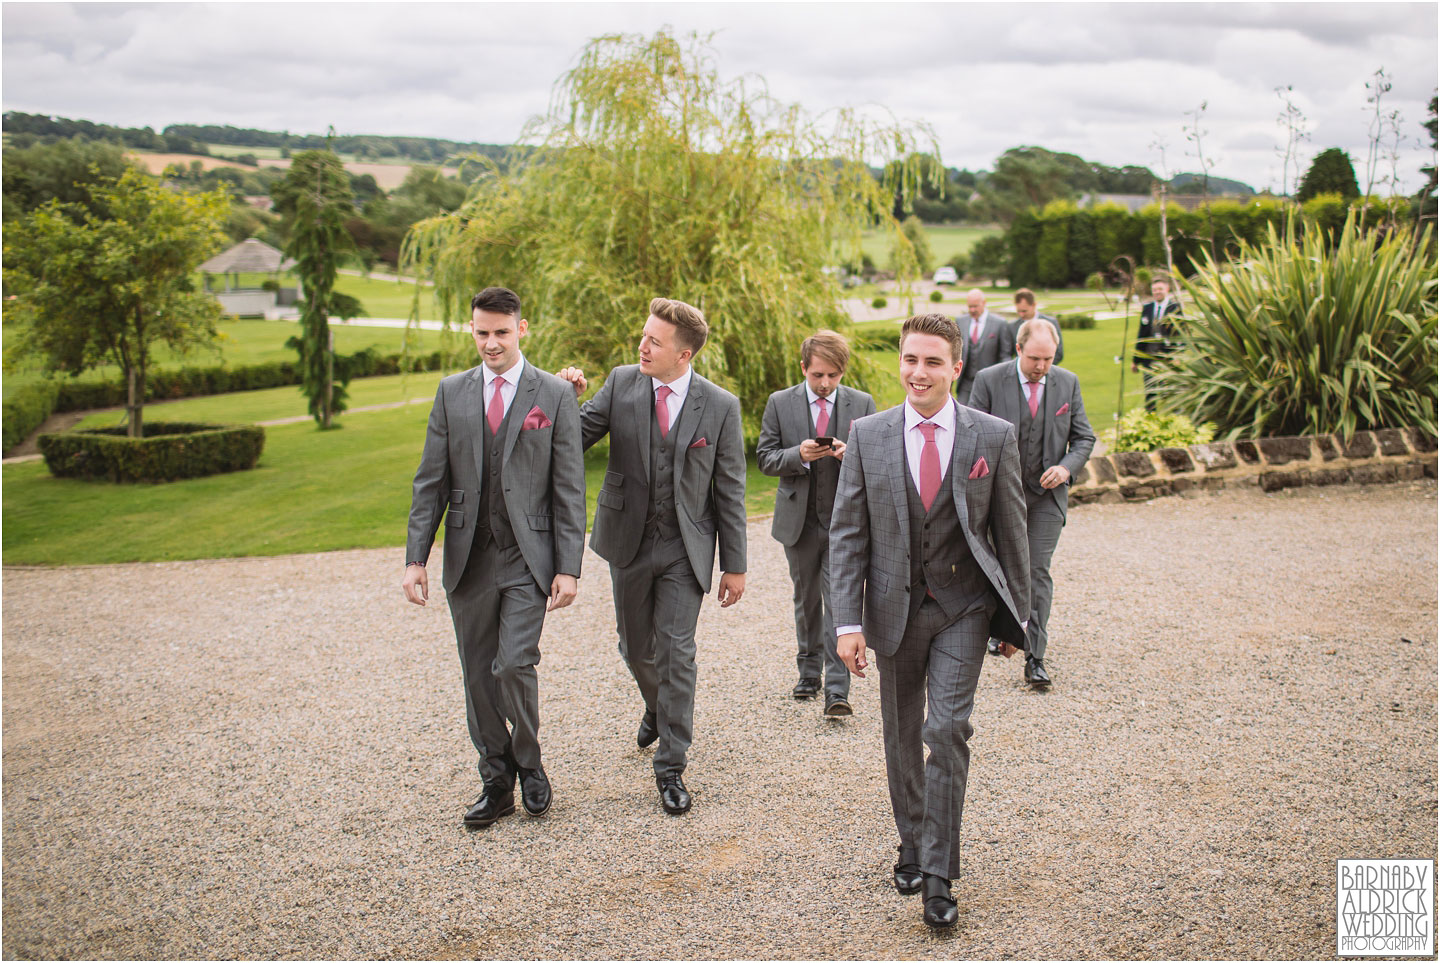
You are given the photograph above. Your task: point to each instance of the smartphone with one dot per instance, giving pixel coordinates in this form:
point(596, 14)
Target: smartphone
point(825, 441)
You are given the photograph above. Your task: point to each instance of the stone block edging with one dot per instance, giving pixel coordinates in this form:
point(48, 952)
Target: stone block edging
point(1370, 457)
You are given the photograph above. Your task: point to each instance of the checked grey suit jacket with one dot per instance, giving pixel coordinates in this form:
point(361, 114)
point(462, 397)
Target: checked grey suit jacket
point(709, 471)
point(785, 425)
point(542, 477)
point(997, 343)
point(870, 527)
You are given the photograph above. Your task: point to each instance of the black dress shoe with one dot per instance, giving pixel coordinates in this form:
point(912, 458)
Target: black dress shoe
point(535, 791)
point(1035, 673)
point(993, 647)
point(907, 874)
point(940, 909)
point(806, 689)
point(497, 800)
point(837, 706)
point(673, 795)
point(649, 731)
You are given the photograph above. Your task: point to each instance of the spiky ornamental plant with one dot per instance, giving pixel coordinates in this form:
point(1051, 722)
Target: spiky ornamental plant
point(656, 177)
point(1310, 334)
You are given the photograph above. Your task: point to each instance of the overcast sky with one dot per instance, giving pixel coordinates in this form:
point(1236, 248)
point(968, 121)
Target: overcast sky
point(1105, 81)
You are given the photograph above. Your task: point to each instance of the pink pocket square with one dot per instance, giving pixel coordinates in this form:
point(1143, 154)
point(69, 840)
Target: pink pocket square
point(1063, 408)
point(535, 419)
point(702, 443)
point(981, 469)
point(990, 337)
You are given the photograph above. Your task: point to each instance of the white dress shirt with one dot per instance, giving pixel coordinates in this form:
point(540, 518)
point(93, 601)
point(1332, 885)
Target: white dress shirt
point(1025, 392)
point(679, 388)
point(512, 384)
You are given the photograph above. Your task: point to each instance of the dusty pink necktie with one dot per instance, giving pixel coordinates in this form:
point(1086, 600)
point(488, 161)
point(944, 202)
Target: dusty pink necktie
point(662, 410)
point(929, 466)
point(1034, 387)
point(974, 332)
point(496, 412)
point(822, 420)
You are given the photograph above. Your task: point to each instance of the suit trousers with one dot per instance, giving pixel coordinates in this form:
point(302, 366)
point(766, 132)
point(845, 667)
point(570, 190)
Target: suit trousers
point(499, 612)
point(809, 560)
point(938, 662)
point(657, 603)
point(1043, 523)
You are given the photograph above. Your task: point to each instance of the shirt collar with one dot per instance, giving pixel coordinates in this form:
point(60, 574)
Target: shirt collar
point(812, 396)
point(944, 418)
point(1021, 375)
point(680, 386)
point(512, 376)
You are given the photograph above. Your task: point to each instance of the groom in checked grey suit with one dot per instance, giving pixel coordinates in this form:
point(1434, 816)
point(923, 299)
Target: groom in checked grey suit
point(795, 420)
point(674, 484)
point(502, 467)
point(927, 560)
point(1055, 442)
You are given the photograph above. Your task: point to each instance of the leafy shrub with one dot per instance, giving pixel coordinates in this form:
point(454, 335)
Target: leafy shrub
point(1311, 335)
point(961, 264)
point(27, 410)
point(879, 302)
point(169, 450)
point(1075, 321)
point(1142, 430)
point(936, 296)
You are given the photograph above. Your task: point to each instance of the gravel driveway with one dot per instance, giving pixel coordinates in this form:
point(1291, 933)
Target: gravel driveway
point(268, 758)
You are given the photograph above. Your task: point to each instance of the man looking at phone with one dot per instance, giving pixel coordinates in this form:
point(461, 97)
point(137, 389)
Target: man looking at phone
point(802, 442)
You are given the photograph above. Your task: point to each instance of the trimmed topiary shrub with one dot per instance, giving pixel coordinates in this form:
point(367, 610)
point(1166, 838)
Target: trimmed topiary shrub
point(169, 451)
point(936, 296)
point(27, 410)
point(879, 302)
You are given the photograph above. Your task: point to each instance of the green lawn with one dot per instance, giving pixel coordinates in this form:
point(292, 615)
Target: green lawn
point(946, 241)
point(313, 491)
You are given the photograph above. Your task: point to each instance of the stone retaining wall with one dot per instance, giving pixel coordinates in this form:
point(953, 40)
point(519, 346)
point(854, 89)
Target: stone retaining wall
point(1386, 455)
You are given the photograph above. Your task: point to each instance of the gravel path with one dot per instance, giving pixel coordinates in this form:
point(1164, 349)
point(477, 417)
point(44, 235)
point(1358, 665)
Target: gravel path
point(268, 758)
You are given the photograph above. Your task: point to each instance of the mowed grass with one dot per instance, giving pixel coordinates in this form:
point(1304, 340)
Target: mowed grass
point(312, 491)
point(946, 241)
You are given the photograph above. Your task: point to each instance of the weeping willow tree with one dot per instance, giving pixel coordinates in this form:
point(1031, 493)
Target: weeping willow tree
point(655, 176)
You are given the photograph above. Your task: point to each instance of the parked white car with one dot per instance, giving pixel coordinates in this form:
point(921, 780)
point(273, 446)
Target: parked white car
point(945, 275)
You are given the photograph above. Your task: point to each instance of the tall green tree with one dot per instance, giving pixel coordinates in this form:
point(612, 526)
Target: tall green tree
point(64, 171)
point(655, 176)
point(1330, 173)
point(315, 201)
point(91, 289)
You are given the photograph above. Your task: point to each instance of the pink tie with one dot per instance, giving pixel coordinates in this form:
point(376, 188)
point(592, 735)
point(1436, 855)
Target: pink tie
point(662, 410)
point(929, 466)
point(1034, 387)
point(822, 420)
point(974, 332)
point(496, 412)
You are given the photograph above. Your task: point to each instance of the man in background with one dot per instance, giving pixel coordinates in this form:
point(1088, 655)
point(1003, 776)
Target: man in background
point(986, 338)
point(1156, 337)
point(1025, 311)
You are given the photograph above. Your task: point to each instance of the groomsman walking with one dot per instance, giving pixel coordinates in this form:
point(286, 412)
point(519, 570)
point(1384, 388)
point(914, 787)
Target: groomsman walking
point(1043, 403)
point(802, 441)
point(985, 339)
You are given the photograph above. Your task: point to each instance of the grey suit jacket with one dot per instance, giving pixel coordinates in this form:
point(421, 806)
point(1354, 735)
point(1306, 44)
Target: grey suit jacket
point(785, 425)
point(1068, 437)
point(997, 342)
point(870, 527)
point(709, 471)
point(1015, 335)
point(542, 477)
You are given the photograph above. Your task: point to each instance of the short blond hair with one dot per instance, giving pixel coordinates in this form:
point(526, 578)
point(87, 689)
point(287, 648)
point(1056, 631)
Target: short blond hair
point(690, 327)
point(829, 345)
point(1032, 327)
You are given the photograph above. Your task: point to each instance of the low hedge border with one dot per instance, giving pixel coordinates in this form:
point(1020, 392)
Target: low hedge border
point(168, 451)
point(26, 410)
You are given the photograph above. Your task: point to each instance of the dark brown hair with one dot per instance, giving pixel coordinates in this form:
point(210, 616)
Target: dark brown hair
point(498, 301)
point(940, 325)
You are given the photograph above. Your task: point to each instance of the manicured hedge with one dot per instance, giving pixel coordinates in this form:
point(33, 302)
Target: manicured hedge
point(169, 450)
point(27, 410)
point(1076, 321)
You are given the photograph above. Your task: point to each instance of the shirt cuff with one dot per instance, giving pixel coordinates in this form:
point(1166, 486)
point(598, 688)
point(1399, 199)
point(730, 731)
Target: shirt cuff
point(847, 629)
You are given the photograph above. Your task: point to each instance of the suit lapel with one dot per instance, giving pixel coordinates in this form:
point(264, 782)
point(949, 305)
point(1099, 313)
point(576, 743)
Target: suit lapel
point(840, 421)
point(643, 410)
point(689, 423)
point(961, 457)
point(474, 402)
point(520, 407)
point(797, 414)
point(899, 465)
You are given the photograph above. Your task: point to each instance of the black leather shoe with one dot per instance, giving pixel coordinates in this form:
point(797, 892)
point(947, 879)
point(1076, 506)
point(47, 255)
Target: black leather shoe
point(993, 647)
point(673, 795)
point(940, 909)
point(535, 791)
point(497, 800)
point(1035, 673)
point(907, 874)
point(806, 689)
point(837, 706)
point(649, 731)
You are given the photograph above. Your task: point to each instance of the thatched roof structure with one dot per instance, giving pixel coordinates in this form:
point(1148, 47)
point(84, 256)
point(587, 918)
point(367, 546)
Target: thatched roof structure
point(251, 256)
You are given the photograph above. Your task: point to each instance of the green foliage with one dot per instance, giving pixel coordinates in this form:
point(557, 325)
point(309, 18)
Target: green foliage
point(911, 254)
point(27, 410)
point(989, 258)
point(316, 201)
point(654, 176)
point(961, 263)
point(1052, 261)
point(1141, 430)
point(89, 289)
point(63, 171)
point(1074, 321)
point(1304, 336)
point(168, 450)
point(937, 296)
point(1330, 173)
point(879, 301)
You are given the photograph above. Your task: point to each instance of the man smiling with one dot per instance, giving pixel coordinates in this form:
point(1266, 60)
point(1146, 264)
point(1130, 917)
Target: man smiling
point(928, 559)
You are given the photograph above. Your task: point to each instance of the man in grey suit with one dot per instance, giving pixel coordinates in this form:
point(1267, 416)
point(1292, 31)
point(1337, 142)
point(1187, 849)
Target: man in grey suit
point(802, 441)
point(927, 560)
point(985, 339)
point(1025, 310)
point(674, 483)
point(503, 468)
point(1043, 403)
